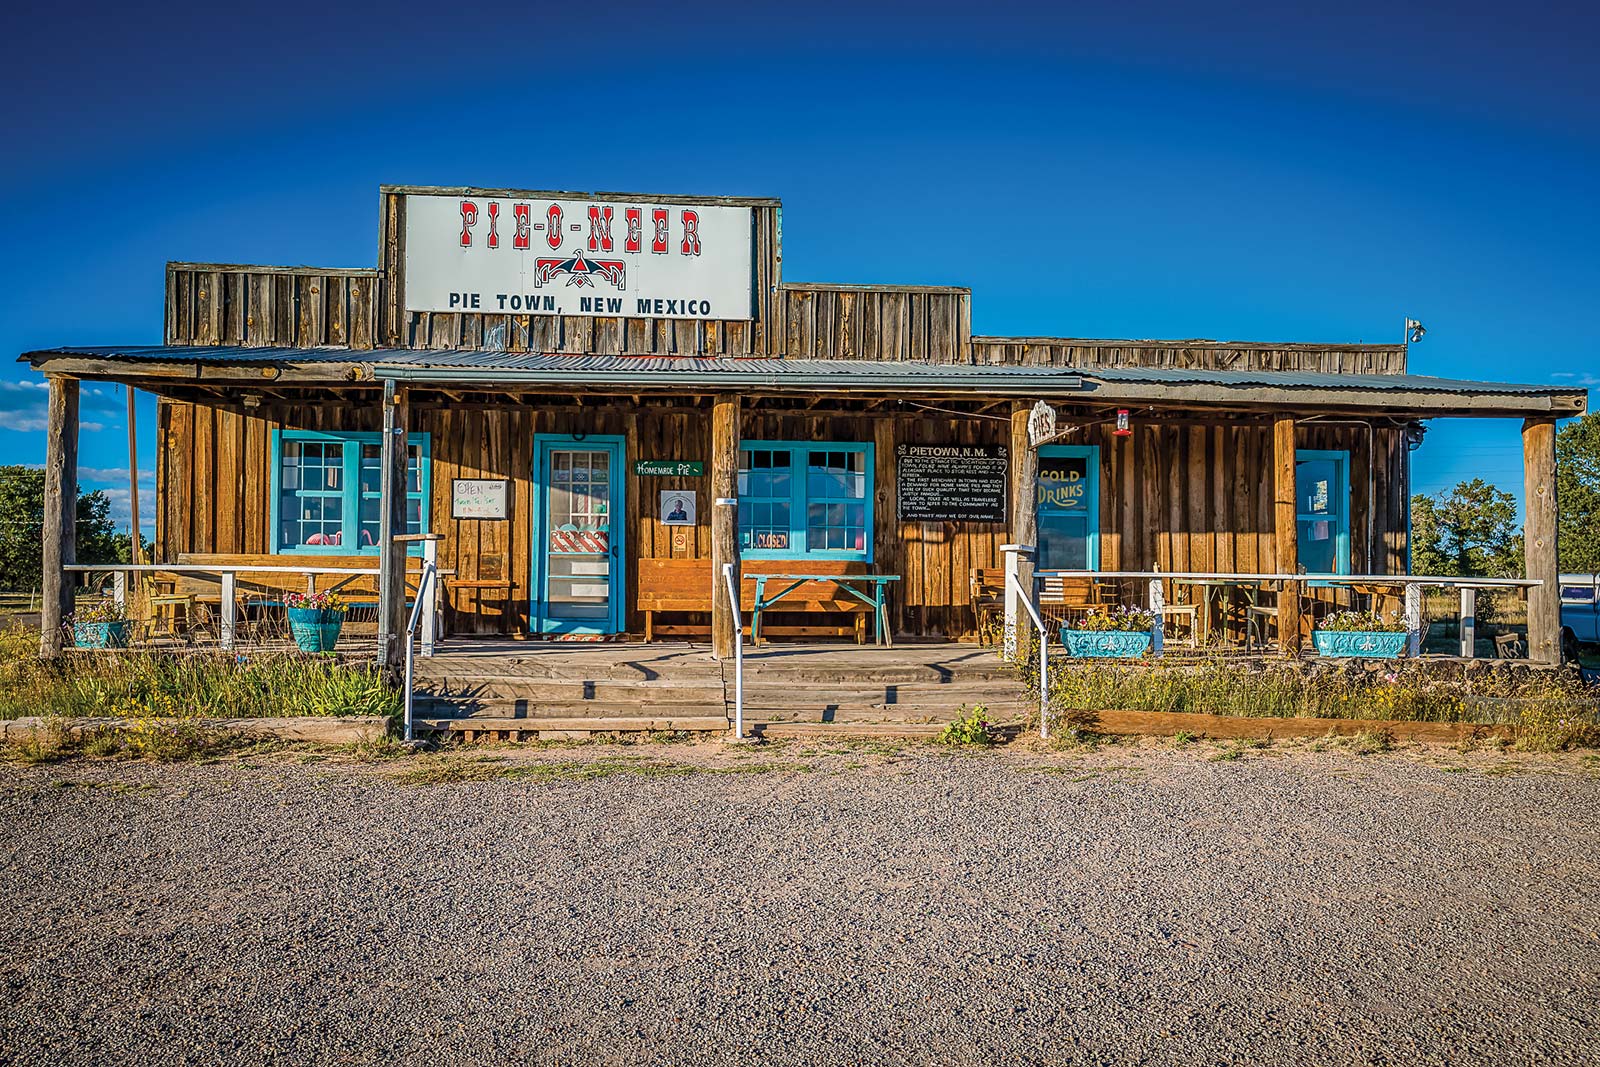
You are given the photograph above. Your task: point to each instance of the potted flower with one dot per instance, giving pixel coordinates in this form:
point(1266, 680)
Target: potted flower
point(1359, 633)
point(1110, 632)
point(102, 626)
point(315, 619)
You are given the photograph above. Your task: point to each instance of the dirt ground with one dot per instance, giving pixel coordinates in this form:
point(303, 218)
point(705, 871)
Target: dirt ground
point(1151, 902)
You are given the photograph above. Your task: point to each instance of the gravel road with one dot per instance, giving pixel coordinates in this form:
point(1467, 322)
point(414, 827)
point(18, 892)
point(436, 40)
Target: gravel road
point(788, 905)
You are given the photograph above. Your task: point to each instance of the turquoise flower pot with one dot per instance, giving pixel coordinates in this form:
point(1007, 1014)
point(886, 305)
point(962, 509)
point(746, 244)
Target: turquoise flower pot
point(100, 634)
point(1361, 644)
point(315, 629)
point(1106, 644)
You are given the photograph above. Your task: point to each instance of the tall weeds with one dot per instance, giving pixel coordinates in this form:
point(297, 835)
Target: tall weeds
point(1557, 708)
point(212, 685)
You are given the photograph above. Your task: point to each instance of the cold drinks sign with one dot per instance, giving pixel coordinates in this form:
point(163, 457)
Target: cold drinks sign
point(511, 255)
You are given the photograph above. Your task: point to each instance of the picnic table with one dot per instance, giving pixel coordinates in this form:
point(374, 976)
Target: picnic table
point(872, 597)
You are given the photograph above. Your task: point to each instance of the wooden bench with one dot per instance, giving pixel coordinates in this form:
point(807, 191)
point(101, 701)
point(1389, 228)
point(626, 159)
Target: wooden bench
point(684, 586)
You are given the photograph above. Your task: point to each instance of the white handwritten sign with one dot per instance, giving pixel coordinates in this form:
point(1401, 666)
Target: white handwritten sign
point(478, 498)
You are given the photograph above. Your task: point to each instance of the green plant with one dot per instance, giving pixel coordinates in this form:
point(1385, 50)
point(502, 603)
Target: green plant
point(319, 601)
point(974, 729)
point(1371, 742)
point(1109, 620)
point(1360, 622)
point(105, 611)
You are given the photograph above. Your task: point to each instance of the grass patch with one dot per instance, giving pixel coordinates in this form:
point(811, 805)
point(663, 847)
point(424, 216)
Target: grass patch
point(217, 684)
point(1558, 710)
point(454, 768)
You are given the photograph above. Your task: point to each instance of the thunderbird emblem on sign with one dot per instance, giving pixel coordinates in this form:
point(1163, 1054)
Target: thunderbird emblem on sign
point(579, 270)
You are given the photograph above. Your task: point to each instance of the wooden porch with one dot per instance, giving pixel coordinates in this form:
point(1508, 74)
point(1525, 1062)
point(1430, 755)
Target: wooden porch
point(488, 689)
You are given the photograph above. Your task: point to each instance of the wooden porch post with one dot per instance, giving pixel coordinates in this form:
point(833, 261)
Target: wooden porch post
point(1024, 526)
point(724, 519)
point(60, 511)
point(1285, 533)
point(392, 523)
point(1539, 539)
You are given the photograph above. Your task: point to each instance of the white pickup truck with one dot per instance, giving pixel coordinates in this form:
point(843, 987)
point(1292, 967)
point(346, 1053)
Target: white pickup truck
point(1580, 612)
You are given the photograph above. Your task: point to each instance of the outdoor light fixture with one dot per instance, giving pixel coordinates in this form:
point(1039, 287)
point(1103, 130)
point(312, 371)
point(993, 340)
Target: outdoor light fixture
point(1414, 331)
point(1123, 429)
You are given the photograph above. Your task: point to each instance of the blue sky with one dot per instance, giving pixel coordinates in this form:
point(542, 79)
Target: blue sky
point(1231, 171)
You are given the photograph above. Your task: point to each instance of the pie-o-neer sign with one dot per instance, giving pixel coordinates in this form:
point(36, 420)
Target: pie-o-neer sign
point(499, 255)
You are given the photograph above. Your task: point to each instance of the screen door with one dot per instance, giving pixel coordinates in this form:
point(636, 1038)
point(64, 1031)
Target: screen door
point(578, 554)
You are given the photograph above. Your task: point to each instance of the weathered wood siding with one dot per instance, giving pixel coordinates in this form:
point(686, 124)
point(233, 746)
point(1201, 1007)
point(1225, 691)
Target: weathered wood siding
point(1191, 355)
point(298, 307)
point(1178, 495)
point(877, 322)
point(762, 334)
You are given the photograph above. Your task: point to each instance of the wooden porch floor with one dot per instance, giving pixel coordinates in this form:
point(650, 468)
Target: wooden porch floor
point(501, 687)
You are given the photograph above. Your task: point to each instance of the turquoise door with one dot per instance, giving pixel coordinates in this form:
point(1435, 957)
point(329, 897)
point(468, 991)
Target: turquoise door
point(1067, 508)
point(578, 556)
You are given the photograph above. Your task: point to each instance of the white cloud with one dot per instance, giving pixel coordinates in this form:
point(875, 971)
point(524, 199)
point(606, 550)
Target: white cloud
point(120, 512)
point(35, 418)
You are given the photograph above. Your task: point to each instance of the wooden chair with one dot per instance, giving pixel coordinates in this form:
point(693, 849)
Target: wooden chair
point(987, 588)
point(1064, 599)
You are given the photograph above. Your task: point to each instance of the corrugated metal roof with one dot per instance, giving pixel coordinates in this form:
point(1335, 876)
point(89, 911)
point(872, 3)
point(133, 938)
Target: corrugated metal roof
point(1415, 383)
point(1111, 384)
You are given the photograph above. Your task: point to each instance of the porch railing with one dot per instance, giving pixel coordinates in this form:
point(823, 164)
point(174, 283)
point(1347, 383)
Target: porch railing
point(227, 578)
point(1413, 585)
point(738, 650)
point(1026, 600)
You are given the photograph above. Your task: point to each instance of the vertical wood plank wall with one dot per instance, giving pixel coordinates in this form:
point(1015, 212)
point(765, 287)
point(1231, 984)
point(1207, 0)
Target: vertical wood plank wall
point(1178, 495)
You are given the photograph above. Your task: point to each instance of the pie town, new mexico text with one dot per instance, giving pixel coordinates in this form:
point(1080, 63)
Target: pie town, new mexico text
point(511, 256)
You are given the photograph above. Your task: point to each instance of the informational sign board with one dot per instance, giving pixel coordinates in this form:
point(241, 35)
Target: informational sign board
point(677, 507)
point(952, 483)
point(478, 498)
point(668, 468)
point(510, 255)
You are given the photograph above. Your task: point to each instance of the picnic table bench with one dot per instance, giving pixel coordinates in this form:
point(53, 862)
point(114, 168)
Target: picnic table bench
point(678, 586)
point(846, 583)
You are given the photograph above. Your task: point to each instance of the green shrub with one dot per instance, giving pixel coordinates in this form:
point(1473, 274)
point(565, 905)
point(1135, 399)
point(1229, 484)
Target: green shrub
point(974, 729)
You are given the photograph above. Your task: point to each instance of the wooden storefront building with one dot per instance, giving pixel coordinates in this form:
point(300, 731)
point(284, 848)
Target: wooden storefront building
point(605, 397)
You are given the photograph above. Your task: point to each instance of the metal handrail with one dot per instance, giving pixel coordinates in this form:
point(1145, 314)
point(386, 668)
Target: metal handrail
point(1330, 579)
point(429, 569)
point(738, 651)
point(1044, 653)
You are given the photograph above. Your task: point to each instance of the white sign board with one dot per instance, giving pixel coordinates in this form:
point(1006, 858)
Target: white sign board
point(504, 255)
point(677, 507)
point(478, 498)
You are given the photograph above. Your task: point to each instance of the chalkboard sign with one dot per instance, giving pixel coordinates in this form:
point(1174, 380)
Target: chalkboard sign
point(952, 483)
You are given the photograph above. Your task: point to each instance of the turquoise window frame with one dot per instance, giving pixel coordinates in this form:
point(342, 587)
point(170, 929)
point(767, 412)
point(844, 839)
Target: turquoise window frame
point(798, 499)
point(1090, 453)
point(1341, 545)
point(350, 492)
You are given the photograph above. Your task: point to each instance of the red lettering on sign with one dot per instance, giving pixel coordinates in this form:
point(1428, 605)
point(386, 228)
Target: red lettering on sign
point(552, 236)
point(635, 229)
point(658, 244)
point(469, 219)
point(599, 229)
point(494, 222)
point(691, 233)
point(519, 212)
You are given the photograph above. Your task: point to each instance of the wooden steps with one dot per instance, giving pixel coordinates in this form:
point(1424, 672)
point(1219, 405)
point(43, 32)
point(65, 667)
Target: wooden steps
point(790, 690)
point(500, 728)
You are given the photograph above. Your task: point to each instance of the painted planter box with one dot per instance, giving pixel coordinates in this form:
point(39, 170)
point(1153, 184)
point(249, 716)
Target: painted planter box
point(315, 629)
point(100, 634)
point(1107, 644)
point(1364, 644)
